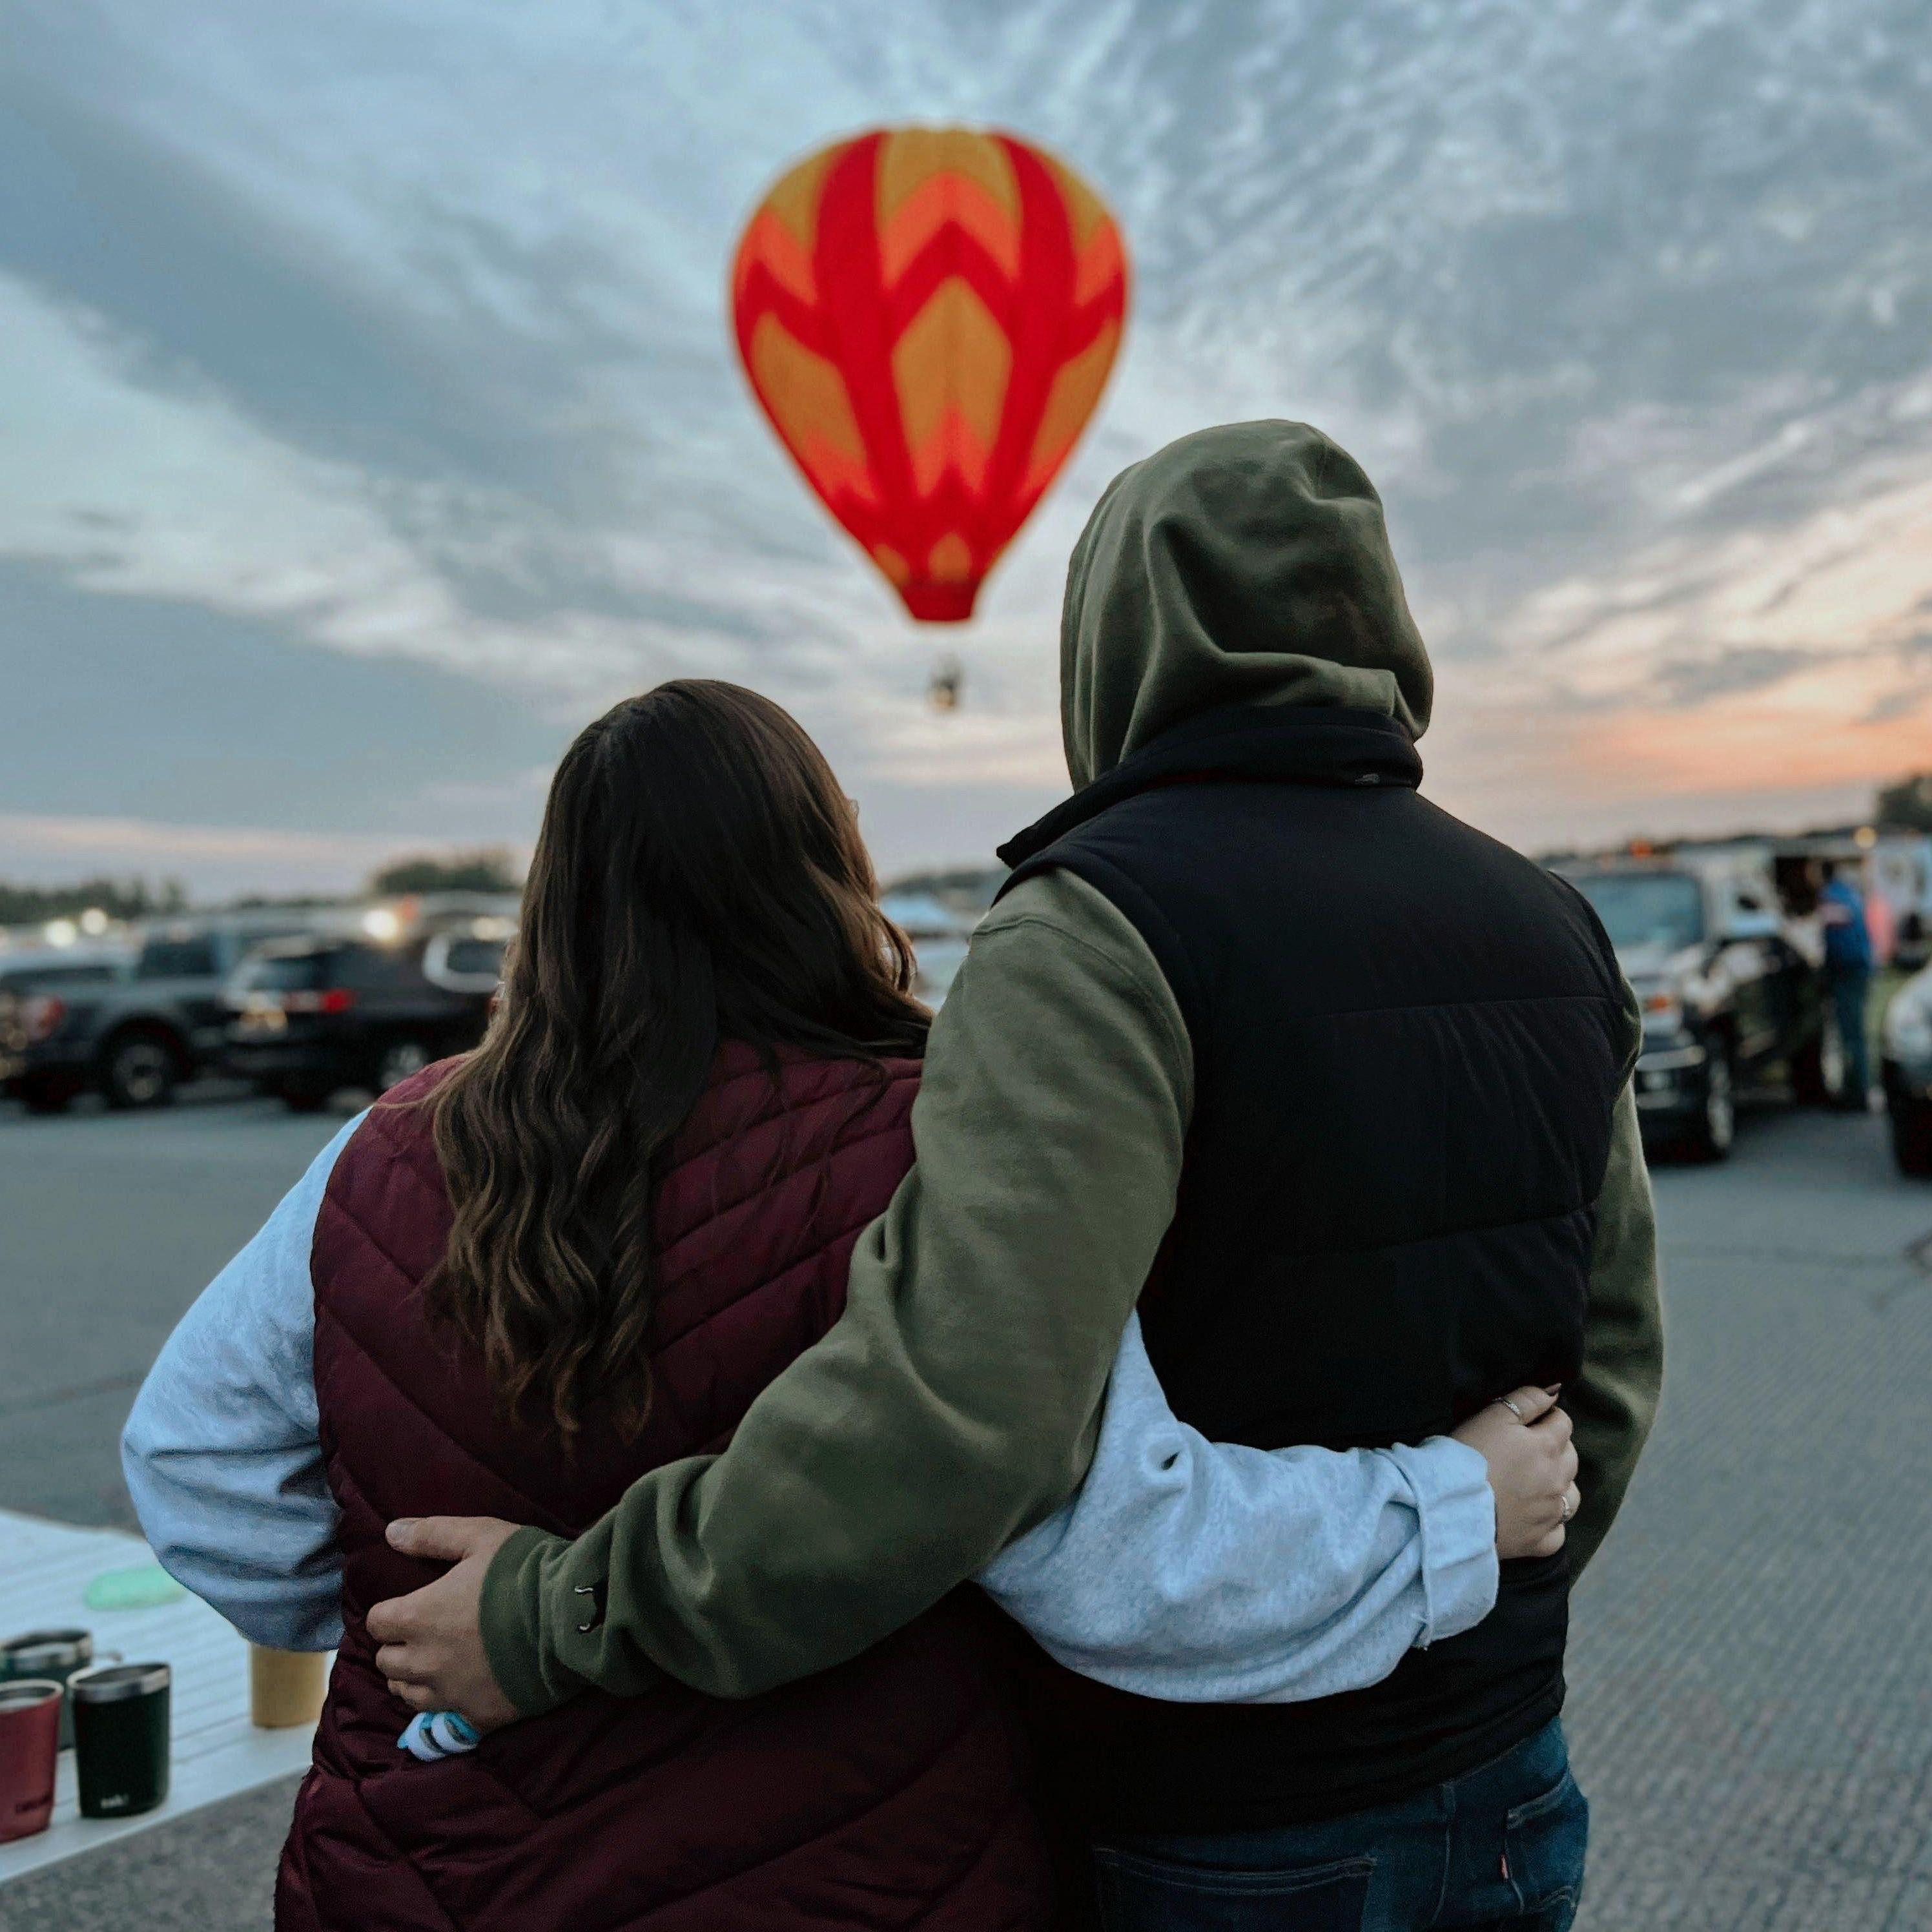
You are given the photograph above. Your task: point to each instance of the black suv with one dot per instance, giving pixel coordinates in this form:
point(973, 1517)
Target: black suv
point(38, 991)
point(136, 1032)
point(1729, 1001)
point(308, 1017)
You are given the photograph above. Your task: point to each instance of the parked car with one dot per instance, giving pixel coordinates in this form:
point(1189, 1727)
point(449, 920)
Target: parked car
point(1906, 1068)
point(1729, 1000)
point(38, 990)
point(135, 1035)
point(308, 1017)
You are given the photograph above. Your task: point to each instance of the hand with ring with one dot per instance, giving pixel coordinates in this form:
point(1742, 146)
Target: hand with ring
point(1525, 1438)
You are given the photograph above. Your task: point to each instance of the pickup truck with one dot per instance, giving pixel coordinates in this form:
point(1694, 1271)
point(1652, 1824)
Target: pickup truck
point(1731, 998)
point(135, 1034)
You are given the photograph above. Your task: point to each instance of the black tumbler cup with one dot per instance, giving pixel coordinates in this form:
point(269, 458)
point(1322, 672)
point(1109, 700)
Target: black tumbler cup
point(121, 1737)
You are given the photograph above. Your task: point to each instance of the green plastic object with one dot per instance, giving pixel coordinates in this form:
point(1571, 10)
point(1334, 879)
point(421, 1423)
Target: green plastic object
point(143, 1587)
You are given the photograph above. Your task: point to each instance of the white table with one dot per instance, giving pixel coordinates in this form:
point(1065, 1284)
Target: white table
point(45, 1567)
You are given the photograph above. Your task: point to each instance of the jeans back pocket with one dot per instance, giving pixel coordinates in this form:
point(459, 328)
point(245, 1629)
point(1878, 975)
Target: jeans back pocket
point(1544, 1845)
point(1139, 1894)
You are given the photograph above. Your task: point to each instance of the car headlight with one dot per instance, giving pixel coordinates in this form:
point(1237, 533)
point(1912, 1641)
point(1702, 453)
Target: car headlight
point(1908, 1021)
point(1663, 1013)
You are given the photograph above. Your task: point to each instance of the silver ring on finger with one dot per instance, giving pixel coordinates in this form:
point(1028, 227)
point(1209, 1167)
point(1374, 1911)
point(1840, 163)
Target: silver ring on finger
point(1504, 1401)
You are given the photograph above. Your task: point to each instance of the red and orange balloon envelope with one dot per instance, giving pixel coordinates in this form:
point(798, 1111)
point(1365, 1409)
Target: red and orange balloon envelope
point(928, 315)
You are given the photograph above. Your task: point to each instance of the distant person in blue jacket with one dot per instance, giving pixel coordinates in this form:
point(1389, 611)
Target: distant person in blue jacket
point(1848, 971)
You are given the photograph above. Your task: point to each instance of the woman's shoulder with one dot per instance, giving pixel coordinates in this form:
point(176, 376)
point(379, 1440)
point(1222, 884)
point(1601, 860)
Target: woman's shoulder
point(402, 1114)
point(801, 1074)
point(398, 1127)
point(751, 1088)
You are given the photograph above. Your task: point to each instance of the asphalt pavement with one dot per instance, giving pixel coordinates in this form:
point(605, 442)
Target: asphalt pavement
point(1751, 1706)
point(110, 1225)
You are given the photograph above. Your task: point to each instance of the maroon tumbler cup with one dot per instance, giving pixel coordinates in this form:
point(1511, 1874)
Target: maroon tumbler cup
point(30, 1715)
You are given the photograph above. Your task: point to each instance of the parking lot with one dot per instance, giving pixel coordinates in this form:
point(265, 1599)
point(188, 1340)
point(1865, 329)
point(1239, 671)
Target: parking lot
point(110, 1224)
point(1751, 1710)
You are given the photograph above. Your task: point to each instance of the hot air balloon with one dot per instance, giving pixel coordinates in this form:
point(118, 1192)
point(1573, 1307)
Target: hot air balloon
point(928, 315)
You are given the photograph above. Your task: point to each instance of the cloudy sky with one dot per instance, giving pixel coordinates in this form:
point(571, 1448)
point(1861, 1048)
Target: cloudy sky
point(368, 419)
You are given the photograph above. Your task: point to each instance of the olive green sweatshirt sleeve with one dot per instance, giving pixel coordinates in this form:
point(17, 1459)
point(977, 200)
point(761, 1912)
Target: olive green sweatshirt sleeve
point(954, 1404)
point(1614, 1401)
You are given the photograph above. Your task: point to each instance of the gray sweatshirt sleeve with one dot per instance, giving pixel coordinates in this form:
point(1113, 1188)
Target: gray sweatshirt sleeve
point(1205, 1573)
point(220, 1453)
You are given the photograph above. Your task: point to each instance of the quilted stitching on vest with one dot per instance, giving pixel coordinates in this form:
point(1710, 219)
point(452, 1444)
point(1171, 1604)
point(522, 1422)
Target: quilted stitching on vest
point(889, 1793)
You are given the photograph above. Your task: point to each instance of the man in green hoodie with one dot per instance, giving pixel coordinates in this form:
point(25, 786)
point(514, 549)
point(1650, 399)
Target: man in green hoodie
point(1340, 1087)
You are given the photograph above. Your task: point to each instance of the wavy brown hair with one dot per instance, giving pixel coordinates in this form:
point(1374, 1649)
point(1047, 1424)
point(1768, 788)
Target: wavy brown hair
point(700, 876)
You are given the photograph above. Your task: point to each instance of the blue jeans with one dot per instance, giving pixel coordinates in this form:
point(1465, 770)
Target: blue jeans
point(1499, 1849)
point(1851, 992)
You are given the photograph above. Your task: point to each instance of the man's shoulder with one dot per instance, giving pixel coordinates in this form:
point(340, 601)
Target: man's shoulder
point(1054, 901)
point(1055, 922)
point(1055, 946)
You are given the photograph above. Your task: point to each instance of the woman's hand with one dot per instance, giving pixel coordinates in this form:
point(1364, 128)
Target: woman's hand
point(1525, 1438)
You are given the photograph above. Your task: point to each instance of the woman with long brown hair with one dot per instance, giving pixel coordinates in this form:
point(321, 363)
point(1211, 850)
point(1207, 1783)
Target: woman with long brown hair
point(527, 1276)
point(700, 879)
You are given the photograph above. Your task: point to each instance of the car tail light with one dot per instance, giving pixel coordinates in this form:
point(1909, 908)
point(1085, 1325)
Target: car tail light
point(41, 1015)
point(331, 999)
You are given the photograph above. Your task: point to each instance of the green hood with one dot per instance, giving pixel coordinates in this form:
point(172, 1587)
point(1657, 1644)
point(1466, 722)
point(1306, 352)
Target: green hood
point(1245, 564)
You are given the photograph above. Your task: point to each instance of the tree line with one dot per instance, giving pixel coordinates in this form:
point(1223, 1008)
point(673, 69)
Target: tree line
point(1907, 804)
point(494, 870)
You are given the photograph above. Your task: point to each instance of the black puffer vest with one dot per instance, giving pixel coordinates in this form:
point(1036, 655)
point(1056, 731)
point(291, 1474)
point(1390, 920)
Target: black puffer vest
point(1408, 1043)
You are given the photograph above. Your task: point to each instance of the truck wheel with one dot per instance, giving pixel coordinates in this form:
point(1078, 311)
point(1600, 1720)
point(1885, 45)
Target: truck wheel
point(302, 1096)
point(45, 1094)
point(1716, 1126)
point(139, 1069)
point(1912, 1136)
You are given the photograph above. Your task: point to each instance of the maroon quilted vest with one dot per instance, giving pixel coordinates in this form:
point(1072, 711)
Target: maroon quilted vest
point(889, 1793)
